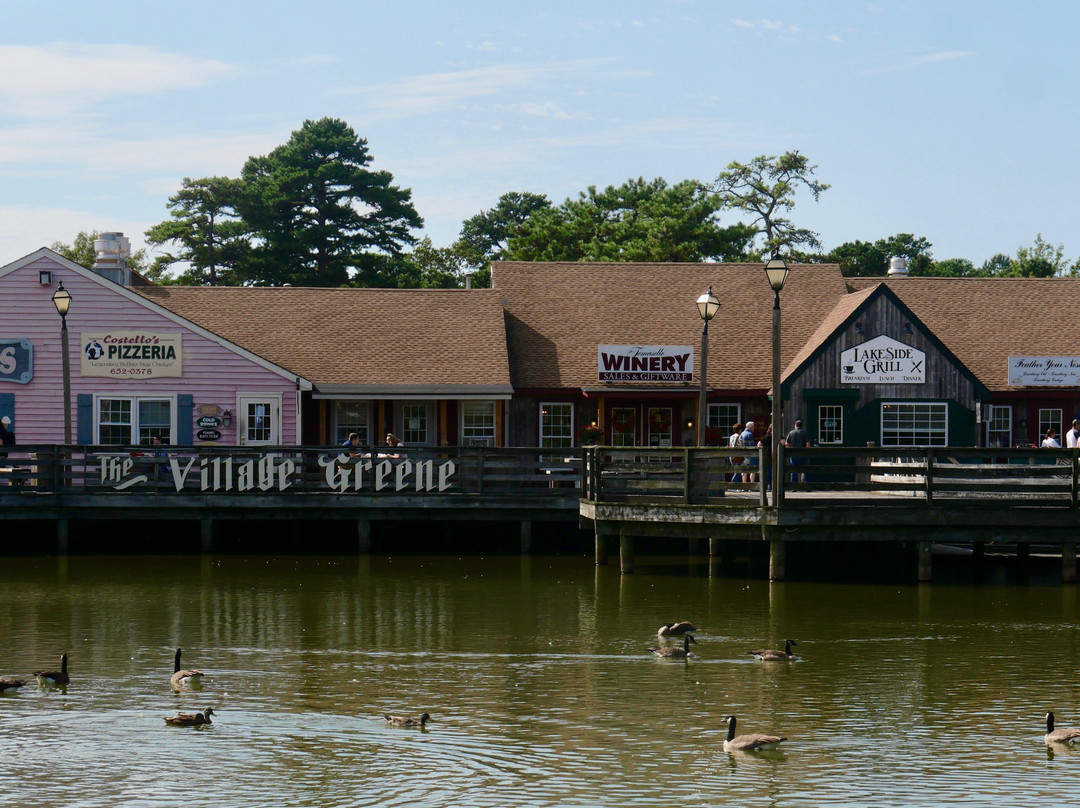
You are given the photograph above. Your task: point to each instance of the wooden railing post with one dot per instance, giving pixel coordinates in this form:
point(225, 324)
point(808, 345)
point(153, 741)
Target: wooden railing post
point(929, 476)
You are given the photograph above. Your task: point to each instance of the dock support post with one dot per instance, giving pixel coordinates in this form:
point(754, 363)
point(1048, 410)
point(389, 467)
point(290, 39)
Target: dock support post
point(1068, 562)
point(526, 536)
point(926, 562)
point(626, 553)
point(777, 557)
point(206, 534)
point(363, 536)
point(1023, 561)
point(62, 529)
point(601, 549)
point(714, 547)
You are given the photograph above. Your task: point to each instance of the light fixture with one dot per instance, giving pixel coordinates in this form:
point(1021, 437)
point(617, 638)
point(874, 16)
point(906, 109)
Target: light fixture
point(907, 329)
point(777, 271)
point(707, 306)
point(62, 300)
point(226, 418)
point(45, 277)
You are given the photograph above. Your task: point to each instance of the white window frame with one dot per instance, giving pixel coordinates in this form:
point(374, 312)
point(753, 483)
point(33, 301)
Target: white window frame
point(1047, 421)
point(623, 438)
point(918, 409)
point(134, 426)
point(999, 413)
point(717, 416)
point(560, 440)
point(342, 428)
point(478, 434)
point(830, 412)
point(402, 430)
point(650, 436)
point(276, 426)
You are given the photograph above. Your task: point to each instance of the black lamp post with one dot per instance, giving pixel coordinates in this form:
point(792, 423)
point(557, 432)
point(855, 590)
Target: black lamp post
point(777, 272)
point(62, 300)
point(707, 306)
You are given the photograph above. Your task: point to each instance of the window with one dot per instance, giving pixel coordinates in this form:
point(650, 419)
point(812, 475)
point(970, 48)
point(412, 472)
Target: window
point(414, 424)
point(659, 420)
point(478, 423)
point(904, 424)
point(623, 426)
point(999, 426)
point(556, 425)
point(260, 422)
point(351, 416)
point(133, 420)
point(724, 417)
point(830, 428)
point(1049, 419)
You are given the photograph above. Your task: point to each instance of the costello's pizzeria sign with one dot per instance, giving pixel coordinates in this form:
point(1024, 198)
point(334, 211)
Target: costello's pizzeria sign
point(645, 363)
point(882, 360)
point(131, 354)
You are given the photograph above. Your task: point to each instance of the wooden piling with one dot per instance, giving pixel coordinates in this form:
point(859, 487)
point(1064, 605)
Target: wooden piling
point(1068, 562)
point(600, 547)
point(62, 538)
point(926, 562)
point(626, 553)
point(363, 536)
point(777, 559)
point(526, 536)
point(206, 534)
point(714, 547)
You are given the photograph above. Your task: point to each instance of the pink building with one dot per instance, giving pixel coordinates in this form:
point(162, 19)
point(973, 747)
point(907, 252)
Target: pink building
point(137, 370)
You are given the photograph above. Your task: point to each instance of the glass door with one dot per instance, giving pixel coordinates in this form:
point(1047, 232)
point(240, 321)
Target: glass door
point(260, 420)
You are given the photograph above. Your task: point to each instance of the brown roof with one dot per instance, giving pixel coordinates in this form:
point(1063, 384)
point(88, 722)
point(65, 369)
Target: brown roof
point(402, 338)
point(558, 313)
point(984, 321)
point(833, 320)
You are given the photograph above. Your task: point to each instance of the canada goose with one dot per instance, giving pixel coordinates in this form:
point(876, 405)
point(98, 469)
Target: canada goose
point(184, 677)
point(190, 719)
point(1067, 735)
point(7, 684)
point(770, 655)
point(676, 629)
point(59, 677)
point(399, 721)
point(748, 743)
point(673, 651)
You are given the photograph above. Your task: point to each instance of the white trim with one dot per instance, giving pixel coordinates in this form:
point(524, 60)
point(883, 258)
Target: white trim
point(944, 405)
point(241, 418)
point(134, 398)
point(157, 308)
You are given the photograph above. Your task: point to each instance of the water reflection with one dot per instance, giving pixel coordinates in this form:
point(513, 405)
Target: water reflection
point(538, 679)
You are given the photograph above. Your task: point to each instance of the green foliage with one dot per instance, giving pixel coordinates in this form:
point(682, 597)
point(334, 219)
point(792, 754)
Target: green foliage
point(765, 188)
point(206, 225)
point(862, 259)
point(425, 267)
point(81, 251)
point(484, 237)
point(953, 268)
point(1040, 260)
point(638, 221)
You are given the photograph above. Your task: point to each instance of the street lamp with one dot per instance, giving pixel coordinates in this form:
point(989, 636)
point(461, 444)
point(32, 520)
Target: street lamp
point(776, 271)
point(62, 300)
point(707, 306)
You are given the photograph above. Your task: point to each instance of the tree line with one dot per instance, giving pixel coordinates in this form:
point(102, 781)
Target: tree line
point(313, 212)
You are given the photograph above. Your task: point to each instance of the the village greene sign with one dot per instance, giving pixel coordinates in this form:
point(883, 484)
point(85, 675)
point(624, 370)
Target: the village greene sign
point(882, 360)
point(645, 363)
point(225, 474)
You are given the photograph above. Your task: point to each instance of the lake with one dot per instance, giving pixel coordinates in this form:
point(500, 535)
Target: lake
point(537, 675)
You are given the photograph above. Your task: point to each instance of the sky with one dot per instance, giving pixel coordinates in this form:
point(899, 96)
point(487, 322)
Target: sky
point(953, 120)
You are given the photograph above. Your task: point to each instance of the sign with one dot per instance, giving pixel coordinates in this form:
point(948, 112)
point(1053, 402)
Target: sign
point(208, 422)
point(645, 363)
point(131, 354)
point(882, 360)
point(208, 434)
point(1044, 371)
point(16, 360)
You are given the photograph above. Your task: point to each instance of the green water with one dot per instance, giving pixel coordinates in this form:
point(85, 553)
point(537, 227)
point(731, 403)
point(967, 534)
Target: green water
point(538, 679)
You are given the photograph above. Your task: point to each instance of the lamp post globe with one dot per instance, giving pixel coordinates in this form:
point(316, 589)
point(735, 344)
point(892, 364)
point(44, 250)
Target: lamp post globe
point(62, 301)
point(707, 306)
point(776, 270)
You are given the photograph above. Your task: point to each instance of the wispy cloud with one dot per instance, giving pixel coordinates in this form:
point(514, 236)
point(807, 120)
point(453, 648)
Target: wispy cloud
point(436, 92)
point(59, 79)
point(907, 63)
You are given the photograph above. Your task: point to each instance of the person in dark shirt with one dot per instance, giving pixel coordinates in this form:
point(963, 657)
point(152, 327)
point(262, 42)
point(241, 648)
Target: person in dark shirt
point(798, 438)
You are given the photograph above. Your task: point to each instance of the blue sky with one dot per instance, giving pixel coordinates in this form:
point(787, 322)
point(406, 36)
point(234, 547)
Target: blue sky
point(955, 121)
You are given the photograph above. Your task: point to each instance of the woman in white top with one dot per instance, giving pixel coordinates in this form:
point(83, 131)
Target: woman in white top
point(1050, 442)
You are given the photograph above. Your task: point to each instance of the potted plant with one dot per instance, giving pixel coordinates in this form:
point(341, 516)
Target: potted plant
point(591, 434)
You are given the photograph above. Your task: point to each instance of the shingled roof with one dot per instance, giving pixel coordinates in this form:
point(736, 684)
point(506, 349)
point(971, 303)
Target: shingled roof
point(558, 313)
point(359, 338)
point(984, 321)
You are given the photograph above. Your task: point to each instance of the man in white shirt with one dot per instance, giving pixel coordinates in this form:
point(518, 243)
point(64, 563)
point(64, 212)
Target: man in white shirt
point(1072, 435)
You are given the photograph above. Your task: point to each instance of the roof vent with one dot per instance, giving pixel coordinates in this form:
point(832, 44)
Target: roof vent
point(111, 254)
point(898, 266)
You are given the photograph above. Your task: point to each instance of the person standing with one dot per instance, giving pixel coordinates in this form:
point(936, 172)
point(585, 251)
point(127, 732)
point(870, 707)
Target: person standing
point(766, 444)
point(1051, 441)
point(1072, 437)
point(747, 441)
point(733, 443)
point(7, 437)
point(798, 438)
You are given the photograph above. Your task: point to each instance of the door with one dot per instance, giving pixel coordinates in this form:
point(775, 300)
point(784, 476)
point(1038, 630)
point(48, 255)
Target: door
point(260, 420)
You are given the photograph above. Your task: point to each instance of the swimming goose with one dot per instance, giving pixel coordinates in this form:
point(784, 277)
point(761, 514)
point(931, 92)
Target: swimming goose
point(59, 677)
point(770, 655)
point(184, 677)
point(676, 629)
point(1067, 735)
point(190, 719)
point(748, 743)
point(674, 652)
point(7, 684)
point(399, 721)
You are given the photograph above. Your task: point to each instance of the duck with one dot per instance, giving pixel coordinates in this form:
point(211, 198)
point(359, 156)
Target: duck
point(184, 677)
point(190, 719)
point(674, 651)
point(7, 684)
point(400, 721)
point(676, 629)
point(59, 677)
point(1067, 735)
point(769, 655)
point(748, 743)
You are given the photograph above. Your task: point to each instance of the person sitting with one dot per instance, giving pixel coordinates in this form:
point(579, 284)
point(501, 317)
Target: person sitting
point(393, 441)
point(1051, 441)
point(351, 447)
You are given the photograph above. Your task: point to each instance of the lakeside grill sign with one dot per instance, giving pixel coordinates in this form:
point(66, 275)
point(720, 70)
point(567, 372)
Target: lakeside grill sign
point(882, 360)
point(645, 363)
point(131, 354)
point(1044, 371)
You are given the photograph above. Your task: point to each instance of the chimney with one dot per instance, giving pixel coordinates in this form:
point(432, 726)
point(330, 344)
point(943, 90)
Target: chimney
point(898, 266)
point(111, 253)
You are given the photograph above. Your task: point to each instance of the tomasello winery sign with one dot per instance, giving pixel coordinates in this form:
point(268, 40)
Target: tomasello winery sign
point(131, 354)
point(645, 363)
